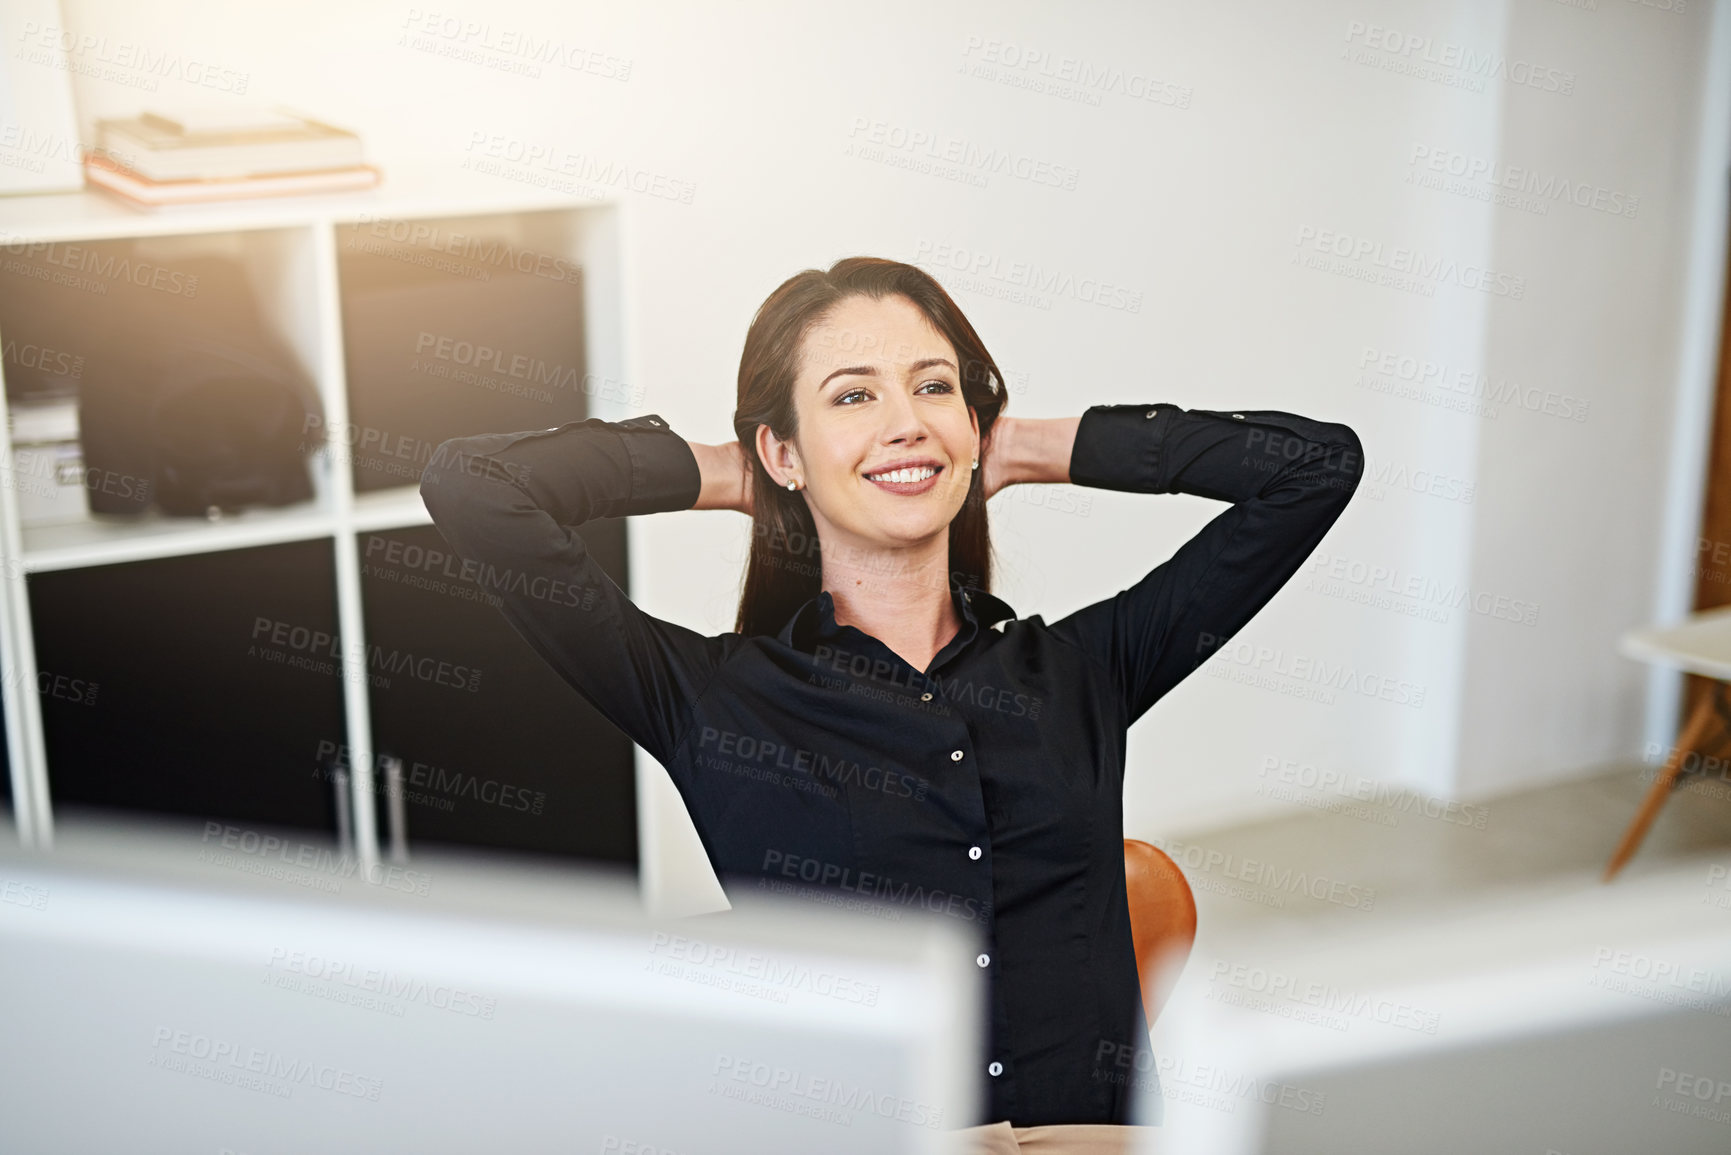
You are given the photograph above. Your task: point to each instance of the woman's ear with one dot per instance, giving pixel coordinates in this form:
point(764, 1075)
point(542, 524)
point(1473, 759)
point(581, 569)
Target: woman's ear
point(780, 458)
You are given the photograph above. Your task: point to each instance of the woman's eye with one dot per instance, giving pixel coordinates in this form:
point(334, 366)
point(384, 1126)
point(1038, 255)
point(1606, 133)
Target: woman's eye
point(943, 387)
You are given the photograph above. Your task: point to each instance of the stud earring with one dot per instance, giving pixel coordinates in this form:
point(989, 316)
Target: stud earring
point(976, 463)
point(793, 485)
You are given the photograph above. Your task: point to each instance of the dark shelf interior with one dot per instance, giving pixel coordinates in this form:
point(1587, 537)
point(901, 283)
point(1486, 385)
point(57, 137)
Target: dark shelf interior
point(441, 343)
point(497, 750)
point(201, 685)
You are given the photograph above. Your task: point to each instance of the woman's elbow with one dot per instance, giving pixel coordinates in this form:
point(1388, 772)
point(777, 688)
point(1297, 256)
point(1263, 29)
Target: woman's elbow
point(1348, 449)
point(449, 483)
point(1344, 458)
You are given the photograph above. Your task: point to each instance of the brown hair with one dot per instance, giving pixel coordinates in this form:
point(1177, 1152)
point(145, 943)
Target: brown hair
point(785, 569)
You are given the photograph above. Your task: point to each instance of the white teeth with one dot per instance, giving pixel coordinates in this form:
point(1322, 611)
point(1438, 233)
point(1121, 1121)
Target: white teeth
point(904, 475)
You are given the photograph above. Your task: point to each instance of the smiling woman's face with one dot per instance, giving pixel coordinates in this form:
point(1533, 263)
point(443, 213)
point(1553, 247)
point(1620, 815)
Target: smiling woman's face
point(886, 442)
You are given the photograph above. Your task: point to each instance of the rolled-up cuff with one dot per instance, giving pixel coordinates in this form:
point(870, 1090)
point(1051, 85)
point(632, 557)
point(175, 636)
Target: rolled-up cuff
point(1119, 446)
point(664, 472)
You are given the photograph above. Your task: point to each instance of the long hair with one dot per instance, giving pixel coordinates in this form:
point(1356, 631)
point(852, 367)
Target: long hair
point(785, 569)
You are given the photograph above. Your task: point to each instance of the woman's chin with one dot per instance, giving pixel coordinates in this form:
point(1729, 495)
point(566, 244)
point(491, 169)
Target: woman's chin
point(909, 534)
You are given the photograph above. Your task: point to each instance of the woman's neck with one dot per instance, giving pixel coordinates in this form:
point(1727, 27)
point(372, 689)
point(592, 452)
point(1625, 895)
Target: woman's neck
point(900, 598)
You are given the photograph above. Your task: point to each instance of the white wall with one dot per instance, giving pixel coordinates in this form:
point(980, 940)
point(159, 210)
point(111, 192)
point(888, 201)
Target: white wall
point(1572, 511)
point(1268, 126)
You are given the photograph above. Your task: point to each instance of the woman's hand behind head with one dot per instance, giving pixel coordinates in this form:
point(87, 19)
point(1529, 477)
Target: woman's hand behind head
point(997, 458)
point(726, 477)
point(742, 466)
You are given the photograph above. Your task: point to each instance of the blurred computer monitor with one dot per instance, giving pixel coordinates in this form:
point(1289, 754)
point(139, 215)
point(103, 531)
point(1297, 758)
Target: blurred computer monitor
point(1595, 1021)
point(145, 1015)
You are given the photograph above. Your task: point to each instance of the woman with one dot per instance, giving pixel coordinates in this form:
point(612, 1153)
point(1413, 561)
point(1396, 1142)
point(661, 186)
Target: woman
point(878, 722)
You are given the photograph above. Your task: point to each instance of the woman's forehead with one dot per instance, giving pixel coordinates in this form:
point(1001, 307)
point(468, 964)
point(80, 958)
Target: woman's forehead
point(885, 334)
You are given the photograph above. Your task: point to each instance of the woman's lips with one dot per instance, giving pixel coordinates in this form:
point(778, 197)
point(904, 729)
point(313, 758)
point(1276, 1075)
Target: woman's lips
point(908, 488)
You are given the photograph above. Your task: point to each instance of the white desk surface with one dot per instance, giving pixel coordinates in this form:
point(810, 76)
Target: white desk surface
point(1699, 644)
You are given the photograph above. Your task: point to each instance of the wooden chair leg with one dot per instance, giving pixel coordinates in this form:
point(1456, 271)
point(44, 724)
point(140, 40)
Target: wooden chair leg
point(1698, 725)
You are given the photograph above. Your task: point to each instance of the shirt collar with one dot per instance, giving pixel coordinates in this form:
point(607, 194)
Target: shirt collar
point(815, 620)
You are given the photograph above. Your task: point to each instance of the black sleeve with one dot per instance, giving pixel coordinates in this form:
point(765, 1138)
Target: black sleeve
point(1288, 478)
point(512, 503)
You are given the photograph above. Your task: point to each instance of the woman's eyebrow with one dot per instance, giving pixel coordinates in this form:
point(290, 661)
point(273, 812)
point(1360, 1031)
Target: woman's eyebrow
point(871, 370)
point(850, 371)
point(929, 362)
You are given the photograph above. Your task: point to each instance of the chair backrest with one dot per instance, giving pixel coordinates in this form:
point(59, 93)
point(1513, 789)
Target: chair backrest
point(1162, 920)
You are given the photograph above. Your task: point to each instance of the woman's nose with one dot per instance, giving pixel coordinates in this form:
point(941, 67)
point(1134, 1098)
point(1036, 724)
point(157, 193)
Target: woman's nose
point(902, 421)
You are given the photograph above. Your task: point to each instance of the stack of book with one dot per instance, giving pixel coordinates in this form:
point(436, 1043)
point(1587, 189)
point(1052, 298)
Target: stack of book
point(47, 458)
point(195, 156)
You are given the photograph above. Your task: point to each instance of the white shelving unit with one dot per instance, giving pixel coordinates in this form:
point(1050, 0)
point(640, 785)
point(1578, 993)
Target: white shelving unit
point(291, 246)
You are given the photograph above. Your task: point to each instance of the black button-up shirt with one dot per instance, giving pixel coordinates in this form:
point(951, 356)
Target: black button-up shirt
point(987, 786)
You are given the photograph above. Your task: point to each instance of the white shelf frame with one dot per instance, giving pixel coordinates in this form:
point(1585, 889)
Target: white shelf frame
point(337, 513)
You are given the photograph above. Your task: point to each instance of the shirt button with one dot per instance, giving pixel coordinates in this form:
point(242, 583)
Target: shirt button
point(1240, 416)
point(995, 1069)
point(926, 697)
point(1149, 414)
point(984, 959)
point(955, 755)
point(974, 852)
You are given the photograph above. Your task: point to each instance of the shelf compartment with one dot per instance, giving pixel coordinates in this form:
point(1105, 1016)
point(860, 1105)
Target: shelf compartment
point(497, 750)
point(183, 392)
point(153, 535)
point(458, 326)
point(208, 686)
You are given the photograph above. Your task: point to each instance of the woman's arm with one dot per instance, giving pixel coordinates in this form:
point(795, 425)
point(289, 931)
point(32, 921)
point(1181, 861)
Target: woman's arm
point(1029, 450)
point(513, 504)
point(1288, 478)
point(726, 477)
